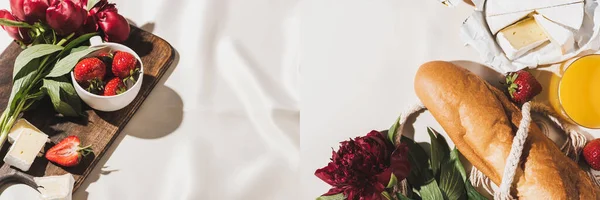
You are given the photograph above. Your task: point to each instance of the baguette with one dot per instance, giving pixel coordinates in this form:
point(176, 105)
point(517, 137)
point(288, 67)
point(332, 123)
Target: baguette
point(481, 121)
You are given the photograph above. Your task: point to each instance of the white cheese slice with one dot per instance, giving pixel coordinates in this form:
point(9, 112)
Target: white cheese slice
point(497, 23)
point(502, 13)
point(55, 187)
point(20, 126)
point(559, 35)
point(521, 37)
point(570, 15)
point(500, 7)
point(25, 149)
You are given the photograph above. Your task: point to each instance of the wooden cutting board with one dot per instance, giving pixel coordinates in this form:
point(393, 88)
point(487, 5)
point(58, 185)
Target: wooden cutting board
point(99, 129)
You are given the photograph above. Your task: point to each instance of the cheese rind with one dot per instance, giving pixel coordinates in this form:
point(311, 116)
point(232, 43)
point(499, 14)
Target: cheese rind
point(55, 187)
point(20, 126)
point(25, 149)
point(521, 37)
point(570, 15)
point(501, 7)
point(497, 23)
point(557, 34)
point(502, 13)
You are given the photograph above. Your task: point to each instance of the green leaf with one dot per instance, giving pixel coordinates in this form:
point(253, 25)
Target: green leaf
point(393, 181)
point(439, 150)
point(77, 49)
point(393, 130)
point(66, 64)
point(63, 96)
point(431, 191)
point(402, 197)
point(8, 22)
point(76, 42)
point(21, 82)
point(451, 182)
point(33, 52)
point(420, 173)
point(456, 159)
point(472, 193)
point(339, 196)
point(91, 4)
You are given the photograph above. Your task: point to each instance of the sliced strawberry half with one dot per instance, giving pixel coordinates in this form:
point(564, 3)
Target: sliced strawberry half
point(68, 152)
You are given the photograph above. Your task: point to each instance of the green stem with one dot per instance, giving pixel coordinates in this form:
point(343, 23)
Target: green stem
point(39, 74)
point(65, 39)
point(3, 119)
point(11, 120)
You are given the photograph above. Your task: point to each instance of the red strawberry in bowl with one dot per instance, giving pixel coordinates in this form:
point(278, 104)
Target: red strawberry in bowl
point(114, 87)
point(124, 65)
point(89, 73)
point(68, 152)
point(522, 86)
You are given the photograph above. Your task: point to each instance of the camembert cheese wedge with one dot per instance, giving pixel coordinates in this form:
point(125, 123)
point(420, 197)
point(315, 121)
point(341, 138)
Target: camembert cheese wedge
point(55, 187)
point(503, 13)
point(25, 148)
point(521, 37)
point(558, 35)
point(20, 126)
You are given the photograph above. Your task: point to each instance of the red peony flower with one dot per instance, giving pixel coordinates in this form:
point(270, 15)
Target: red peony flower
point(66, 16)
point(29, 10)
point(105, 17)
point(362, 168)
point(114, 26)
point(20, 34)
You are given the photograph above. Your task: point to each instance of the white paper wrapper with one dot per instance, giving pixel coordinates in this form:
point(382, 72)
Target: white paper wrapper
point(450, 3)
point(475, 33)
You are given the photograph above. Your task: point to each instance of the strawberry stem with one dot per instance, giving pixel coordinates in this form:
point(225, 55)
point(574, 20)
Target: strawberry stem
point(85, 150)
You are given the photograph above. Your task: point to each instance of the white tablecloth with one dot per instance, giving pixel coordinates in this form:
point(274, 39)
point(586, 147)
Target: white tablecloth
point(223, 123)
point(358, 64)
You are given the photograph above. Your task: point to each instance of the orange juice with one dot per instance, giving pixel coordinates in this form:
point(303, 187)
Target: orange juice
point(579, 91)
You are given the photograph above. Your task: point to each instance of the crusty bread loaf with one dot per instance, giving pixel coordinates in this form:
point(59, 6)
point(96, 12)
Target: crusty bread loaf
point(482, 122)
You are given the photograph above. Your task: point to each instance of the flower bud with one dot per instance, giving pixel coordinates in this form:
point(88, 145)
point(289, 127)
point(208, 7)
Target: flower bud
point(29, 10)
point(66, 16)
point(114, 26)
point(14, 32)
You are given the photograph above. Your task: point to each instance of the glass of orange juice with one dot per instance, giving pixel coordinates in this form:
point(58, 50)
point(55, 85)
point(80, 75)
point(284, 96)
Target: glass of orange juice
point(579, 91)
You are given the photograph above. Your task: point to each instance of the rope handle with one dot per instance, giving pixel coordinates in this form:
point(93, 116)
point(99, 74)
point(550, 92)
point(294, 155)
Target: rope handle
point(575, 142)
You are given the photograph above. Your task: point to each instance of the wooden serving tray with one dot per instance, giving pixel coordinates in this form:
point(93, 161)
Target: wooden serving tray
point(99, 129)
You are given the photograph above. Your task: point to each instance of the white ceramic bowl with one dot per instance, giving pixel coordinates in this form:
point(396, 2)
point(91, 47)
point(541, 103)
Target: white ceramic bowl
point(109, 103)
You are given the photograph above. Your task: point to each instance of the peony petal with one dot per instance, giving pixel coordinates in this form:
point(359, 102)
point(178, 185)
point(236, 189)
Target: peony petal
point(384, 178)
point(374, 196)
point(326, 174)
point(399, 162)
point(333, 191)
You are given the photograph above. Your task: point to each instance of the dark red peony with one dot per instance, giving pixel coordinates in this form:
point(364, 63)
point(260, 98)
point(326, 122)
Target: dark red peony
point(105, 17)
point(362, 168)
point(66, 16)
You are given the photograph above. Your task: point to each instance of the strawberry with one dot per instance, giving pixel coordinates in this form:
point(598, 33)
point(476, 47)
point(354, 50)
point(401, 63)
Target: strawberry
point(107, 58)
point(591, 153)
point(124, 65)
point(114, 87)
point(89, 73)
point(68, 152)
point(105, 54)
point(522, 86)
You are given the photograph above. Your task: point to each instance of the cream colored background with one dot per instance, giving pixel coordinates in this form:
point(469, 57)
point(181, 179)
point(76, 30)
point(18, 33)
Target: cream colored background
point(223, 123)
